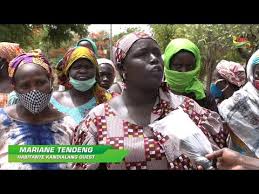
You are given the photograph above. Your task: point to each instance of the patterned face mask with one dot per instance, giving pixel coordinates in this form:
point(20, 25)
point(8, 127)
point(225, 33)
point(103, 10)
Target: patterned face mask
point(35, 101)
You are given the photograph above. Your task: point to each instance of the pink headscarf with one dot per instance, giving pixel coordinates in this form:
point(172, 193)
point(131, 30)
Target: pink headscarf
point(124, 44)
point(232, 72)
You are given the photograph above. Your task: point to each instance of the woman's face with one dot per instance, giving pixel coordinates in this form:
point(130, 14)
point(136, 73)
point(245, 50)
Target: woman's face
point(107, 75)
point(82, 69)
point(30, 77)
point(143, 65)
point(183, 61)
point(226, 87)
point(86, 44)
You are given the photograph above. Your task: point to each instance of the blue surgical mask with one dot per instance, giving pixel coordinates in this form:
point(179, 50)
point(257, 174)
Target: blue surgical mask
point(82, 85)
point(215, 91)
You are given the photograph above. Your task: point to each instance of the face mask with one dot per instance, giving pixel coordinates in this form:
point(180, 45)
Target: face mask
point(185, 82)
point(82, 85)
point(256, 84)
point(35, 101)
point(215, 91)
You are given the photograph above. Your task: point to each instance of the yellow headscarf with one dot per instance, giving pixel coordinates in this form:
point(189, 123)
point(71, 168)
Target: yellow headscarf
point(78, 53)
point(70, 57)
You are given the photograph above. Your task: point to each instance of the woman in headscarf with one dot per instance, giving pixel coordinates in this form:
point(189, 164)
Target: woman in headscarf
point(182, 68)
point(241, 112)
point(8, 51)
point(125, 120)
point(31, 121)
point(78, 72)
point(107, 72)
point(85, 42)
point(88, 43)
point(228, 77)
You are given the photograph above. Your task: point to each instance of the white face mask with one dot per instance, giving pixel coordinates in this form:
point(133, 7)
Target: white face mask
point(35, 101)
point(82, 85)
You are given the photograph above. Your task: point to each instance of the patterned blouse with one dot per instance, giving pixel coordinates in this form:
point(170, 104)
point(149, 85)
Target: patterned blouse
point(147, 148)
point(14, 132)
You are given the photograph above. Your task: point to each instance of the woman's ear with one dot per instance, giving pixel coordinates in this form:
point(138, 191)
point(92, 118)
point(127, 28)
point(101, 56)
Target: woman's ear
point(52, 80)
point(120, 68)
point(97, 77)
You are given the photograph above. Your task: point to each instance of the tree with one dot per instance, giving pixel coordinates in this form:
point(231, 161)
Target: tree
point(52, 39)
point(19, 33)
point(56, 34)
point(101, 40)
point(32, 35)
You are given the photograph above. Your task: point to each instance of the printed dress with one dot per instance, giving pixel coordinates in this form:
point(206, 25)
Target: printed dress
point(147, 148)
point(14, 132)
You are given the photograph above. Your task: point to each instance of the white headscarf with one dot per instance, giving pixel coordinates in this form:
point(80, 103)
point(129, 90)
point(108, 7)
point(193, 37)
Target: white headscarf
point(254, 59)
point(104, 61)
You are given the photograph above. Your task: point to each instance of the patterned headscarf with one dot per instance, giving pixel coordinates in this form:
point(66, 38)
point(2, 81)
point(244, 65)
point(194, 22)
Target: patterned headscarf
point(254, 59)
point(125, 43)
point(70, 57)
point(9, 50)
point(232, 72)
point(91, 42)
point(240, 42)
point(35, 57)
point(106, 61)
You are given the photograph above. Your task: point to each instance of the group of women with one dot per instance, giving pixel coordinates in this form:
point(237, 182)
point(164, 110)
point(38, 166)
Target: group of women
point(92, 109)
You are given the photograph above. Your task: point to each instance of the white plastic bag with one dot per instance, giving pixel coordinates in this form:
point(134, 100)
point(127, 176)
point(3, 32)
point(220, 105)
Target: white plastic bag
point(185, 137)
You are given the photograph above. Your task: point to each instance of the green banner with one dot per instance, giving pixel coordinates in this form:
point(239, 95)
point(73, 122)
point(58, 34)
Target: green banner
point(65, 154)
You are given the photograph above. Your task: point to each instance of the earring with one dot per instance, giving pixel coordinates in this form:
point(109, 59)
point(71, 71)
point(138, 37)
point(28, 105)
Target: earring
point(123, 77)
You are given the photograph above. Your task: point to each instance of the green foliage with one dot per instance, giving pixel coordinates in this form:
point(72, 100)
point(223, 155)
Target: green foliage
point(56, 34)
point(45, 37)
point(50, 35)
point(16, 33)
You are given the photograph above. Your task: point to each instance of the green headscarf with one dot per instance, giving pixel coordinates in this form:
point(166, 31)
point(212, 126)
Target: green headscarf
point(184, 82)
point(91, 42)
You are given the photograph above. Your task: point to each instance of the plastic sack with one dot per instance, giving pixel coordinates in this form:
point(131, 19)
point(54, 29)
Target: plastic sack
point(184, 137)
point(241, 112)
